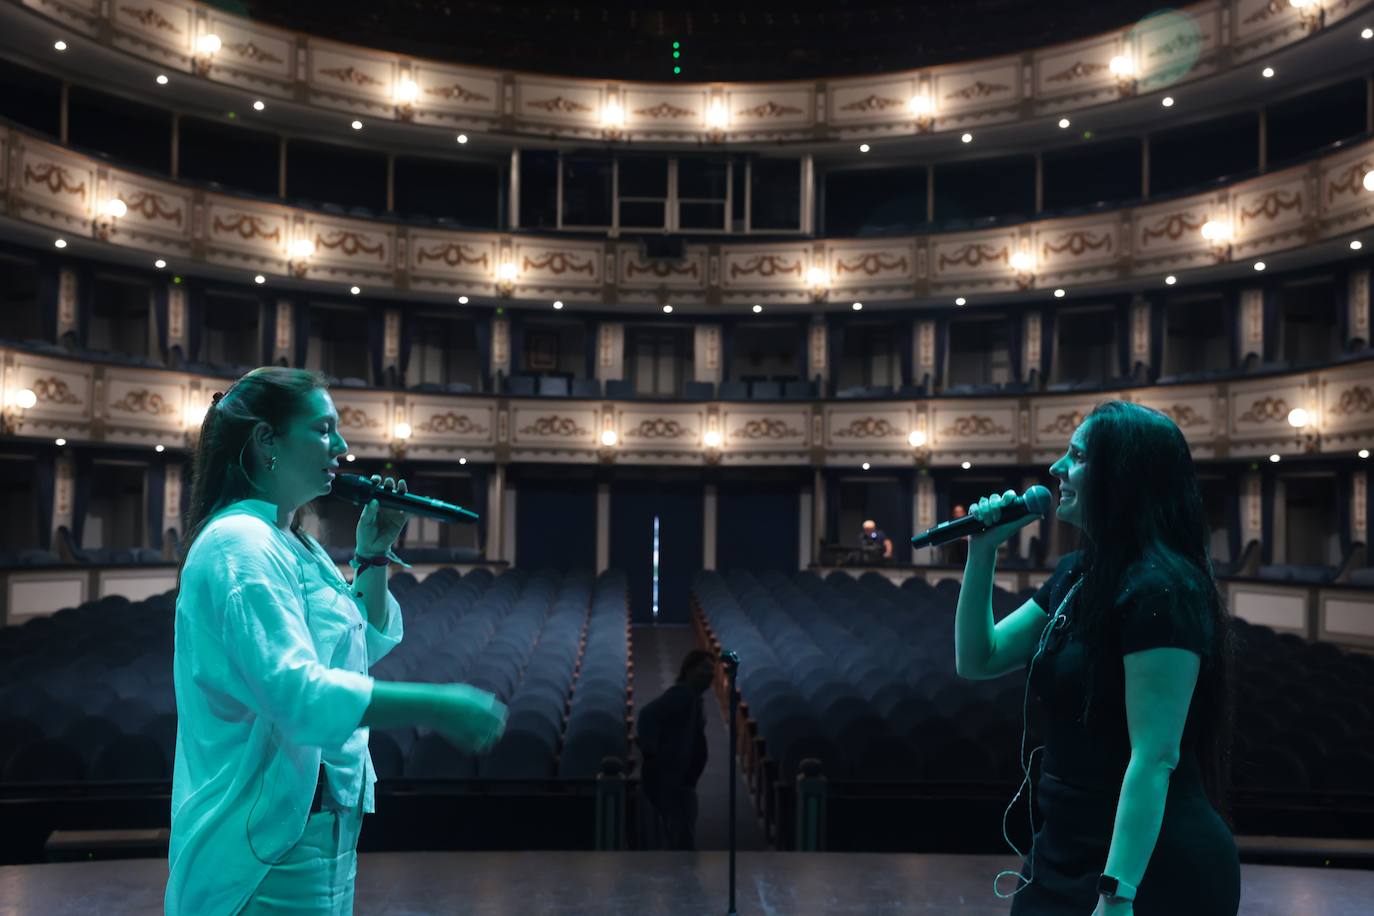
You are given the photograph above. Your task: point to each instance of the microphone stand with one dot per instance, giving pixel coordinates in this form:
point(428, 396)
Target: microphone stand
point(731, 661)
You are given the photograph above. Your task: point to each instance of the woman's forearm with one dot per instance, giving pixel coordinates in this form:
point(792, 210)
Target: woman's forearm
point(371, 586)
point(1139, 813)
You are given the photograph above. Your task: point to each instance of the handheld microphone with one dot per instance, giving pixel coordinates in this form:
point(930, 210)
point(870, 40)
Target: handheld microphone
point(360, 491)
point(1035, 501)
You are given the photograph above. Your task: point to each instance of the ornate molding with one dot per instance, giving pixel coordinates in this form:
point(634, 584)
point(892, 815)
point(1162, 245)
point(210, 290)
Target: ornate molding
point(974, 425)
point(1183, 415)
point(765, 265)
point(352, 75)
point(1272, 8)
point(1266, 410)
point(558, 103)
point(254, 53)
point(769, 109)
point(458, 93)
point(665, 110)
point(53, 390)
point(868, 428)
point(150, 206)
point(453, 254)
point(54, 177)
point(559, 262)
point(1063, 424)
point(248, 227)
point(351, 417)
point(1351, 181)
point(151, 18)
point(975, 253)
point(144, 401)
point(873, 103)
point(765, 428)
point(1171, 227)
point(451, 422)
point(1359, 399)
point(978, 90)
point(871, 264)
point(662, 269)
point(659, 428)
point(1076, 243)
point(1272, 204)
point(350, 243)
point(1077, 71)
point(554, 425)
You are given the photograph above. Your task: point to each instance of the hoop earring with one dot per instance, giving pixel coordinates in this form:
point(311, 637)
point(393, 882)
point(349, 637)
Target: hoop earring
point(244, 471)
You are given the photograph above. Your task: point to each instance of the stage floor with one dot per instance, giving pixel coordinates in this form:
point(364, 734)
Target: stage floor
point(654, 884)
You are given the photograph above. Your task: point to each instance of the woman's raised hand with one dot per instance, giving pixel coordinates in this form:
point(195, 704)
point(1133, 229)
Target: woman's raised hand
point(988, 510)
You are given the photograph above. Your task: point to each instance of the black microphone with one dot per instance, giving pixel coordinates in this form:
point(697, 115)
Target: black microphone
point(1035, 501)
point(360, 491)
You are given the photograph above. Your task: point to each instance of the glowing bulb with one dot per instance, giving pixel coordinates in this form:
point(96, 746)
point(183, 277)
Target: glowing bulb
point(863, 147)
point(507, 271)
point(918, 104)
point(60, 243)
point(462, 300)
point(1369, 181)
point(858, 306)
point(162, 79)
point(402, 430)
point(407, 91)
point(866, 465)
point(208, 44)
point(961, 301)
point(354, 290)
point(917, 438)
point(1170, 280)
point(258, 105)
point(59, 442)
point(1021, 261)
point(1298, 418)
point(350, 457)
point(1216, 230)
point(758, 309)
point(711, 439)
point(194, 415)
point(357, 125)
point(462, 461)
point(1356, 245)
point(259, 279)
point(1259, 265)
point(159, 447)
point(1167, 101)
point(1274, 459)
point(115, 207)
point(24, 398)
point(1121, 65)
point(1064, 122)
point(667, 310)
point(302, 248)
point(159, 263)
point(612, 115)
point(1267, 72)
point(1366, 34)
point(716, 116)
point(462, 138)
point(558, 303)
point(609, 437)
point(817, 276)
point(966, 465)
point(1364, 452)
point(967, 138)
point(1059, 294)
point(62, 45)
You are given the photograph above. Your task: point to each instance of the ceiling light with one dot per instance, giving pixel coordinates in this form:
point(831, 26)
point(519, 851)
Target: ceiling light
point(1274, 459)
point(716, 117)
point(357, 125)
point(401, 430)
point(858, 306)
point(612, 115)
point(60, 243)
point(1167, 101)
point(25, 398)
point(159, 447)
point(1170, 280)
point(462, 300)
point(967, 138)
point(350, 457)
point(1366, 34)
point(1059, 294)
point(966, 465)
point(462, 461)
point(758, 309)
point(162, 79)
point(1298, 417)
point(1214, 230)
point(667, 310)
point(863, 147)
point(259, 279)
point(609, 437)
point(1259, 265)
point(59, 441)
point(462, 138)
point(866, 465)
point(961, 301)
point(558, 303)
point(209, 43)
point(1356, 244)
point(354, 290)
point(1064, 122)
point(1021, 261)
point(159, 263)
point(1267, 72)
point(1364, 452)
point(258, 105)
point(62, 45)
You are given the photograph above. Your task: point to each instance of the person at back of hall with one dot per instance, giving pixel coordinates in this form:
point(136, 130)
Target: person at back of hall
point(874, 543)
point(671, 733)
point(956, 552)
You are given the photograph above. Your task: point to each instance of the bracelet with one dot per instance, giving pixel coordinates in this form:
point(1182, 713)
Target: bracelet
point(360, 562)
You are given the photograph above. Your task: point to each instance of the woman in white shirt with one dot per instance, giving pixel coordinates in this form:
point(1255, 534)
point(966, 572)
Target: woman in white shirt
point(272, 773)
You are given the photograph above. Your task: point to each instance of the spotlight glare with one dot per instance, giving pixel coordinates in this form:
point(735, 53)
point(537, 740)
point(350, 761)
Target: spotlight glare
point(967, 138)
point(350, 457)
point(1369, 181)
point(711, 439)
point(59, 442)
point(462, 461)
point(1366, 34)
point(966, 465)
point(557, 303)
point(758, 309)
point(159, 448)
point(1274, 459)
point(609, 437)
point(354, 290)
point(209, 44)
point(62, 45)
point(162, 79)
point(462, 300)
point(866, 465)
point(1121, 65)
point(1064, 122)
point(1364, 452)
point(916, 438)
point(1167, 101)
point(258, 105)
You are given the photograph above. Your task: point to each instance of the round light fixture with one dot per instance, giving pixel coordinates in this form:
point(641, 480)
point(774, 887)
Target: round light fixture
point(25, 398)
point(758, 309)
point(966, 465)
point(866, 465)
point(258, 105)
point(609, 437)
point(558, 303)
point(350, 457)
point(711, 439)
point(59, 442)
point(354, 290)
point(209, 44)
point(402, 430)
point(462, 461)
point(62, 45)
point(863, 147)
point(357, 125)
point(967, 138)
point(1267, 72)
point(159, 448)
point(1364, 452)
point(162, 79)
point(1059, 294)
point(917, 438)
point(1356, 244)
point(1167, 101)
point(1170, 280)
point(159, 263)
point(667, 310)
point(462, 138)
point(1274, 459)
point(259, 279)
point(1298, 417)
point(60, 243)
point(858, 306)
point(961, 301)
point(1064, 122)
point(462, 300)
point(1259, 265)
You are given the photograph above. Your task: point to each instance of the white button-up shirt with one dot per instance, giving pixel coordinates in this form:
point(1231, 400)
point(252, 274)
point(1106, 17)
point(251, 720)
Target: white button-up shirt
point(272, 653)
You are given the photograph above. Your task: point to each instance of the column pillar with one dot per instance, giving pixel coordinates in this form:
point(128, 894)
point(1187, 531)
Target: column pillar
point(64, 490)
point(176, 144)
point(1145, 167)
point(390, 182)
point(284, 334)
point(923, 357)
point(281, 168)
point(706, 355)
point(391, 345)
point(924, 515)
point(603, 527)
point(610, 351)
point(513, 197)
point(1251, 509)
point(1140, 336)
point(1251, 323)
point(176, 316)
point(817, 512)
point(171, 500)
point(1039, 182)
point(1030, 347)
point(1359, 517)
point(806, 538)
point(68, 319)
point(817, 350)
point(500, 346)
point(1357, 301)
point(710, 496)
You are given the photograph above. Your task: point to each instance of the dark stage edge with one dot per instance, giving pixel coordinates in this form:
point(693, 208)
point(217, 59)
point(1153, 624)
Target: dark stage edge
point(654, 884)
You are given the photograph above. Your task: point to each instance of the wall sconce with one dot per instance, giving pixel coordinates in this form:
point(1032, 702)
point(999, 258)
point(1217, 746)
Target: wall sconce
point(917, 441)
point(12, 418)
point(1369, 181)
point(400, 435)
point(505, 278)
point(1024, 265)
point(110, 211)
point(301, 250)
point(717, 119)
point(1218, 235)
point(1310, 13)
point(407, 93)
point(818, 278)
point(923, 110)
point(194, 417)
point(207, 46)
point(609, 439)
point(713, 440)
point(1123, 68)
point(1301, 421)
point(612, 119)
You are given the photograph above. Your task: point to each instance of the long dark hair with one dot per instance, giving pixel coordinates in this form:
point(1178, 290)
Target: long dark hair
point(1141, 491)
point(222, 462)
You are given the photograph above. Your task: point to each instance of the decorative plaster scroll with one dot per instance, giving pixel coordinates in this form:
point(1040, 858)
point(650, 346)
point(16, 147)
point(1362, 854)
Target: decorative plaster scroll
point(662, 269)
point(351, 417)
point(558, 103)
point(974, 254)
point(1359, 399)
point(559, 262)
point(451, 422)
point(1272, 8)
point(1076, 243)
point(1063, 424)
point(150, 18)
point(1183, 415)
point(1077, 71)
point(1180, 42)
point(979, 90)
point(1171, 227)
point(765, 428)
point(144, 401)
point(664, 110)
point(868, 428)
point(1351, 181)
point(53, 390)
point(248, 227)
point(55, 177)
point(765, 265)
point(1272, 204)
point(252, 52)
point(453, 254)
point(974, 425)
point(456, 92)
point(1266, 410)
point(873, 103)
point(769, 109)
point(350, 243)
point(658, 428)
point(150, 205)
point(870, 264)
point(352, 75)
point(554, 425)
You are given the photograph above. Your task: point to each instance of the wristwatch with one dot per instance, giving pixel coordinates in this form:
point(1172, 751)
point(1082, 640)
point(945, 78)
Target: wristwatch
point(1114, 888)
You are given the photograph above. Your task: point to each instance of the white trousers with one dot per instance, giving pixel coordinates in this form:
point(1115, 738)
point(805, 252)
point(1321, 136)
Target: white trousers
point(316, 877)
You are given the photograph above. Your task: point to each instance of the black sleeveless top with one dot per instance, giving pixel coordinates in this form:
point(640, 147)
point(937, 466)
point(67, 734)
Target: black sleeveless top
point(1150, 612)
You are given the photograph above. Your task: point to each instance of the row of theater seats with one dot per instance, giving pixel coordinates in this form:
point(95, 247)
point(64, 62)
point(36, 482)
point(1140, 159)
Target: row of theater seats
point(86, 694)
point(860, 674)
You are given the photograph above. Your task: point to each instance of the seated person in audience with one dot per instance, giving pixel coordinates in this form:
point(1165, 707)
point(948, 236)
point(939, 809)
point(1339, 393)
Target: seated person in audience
point(272, 646)
point(875, 545)
point(671, 733)
point(956, 552)
point(1126, 650)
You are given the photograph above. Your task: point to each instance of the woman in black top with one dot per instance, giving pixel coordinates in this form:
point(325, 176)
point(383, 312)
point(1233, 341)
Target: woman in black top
point(1128, 657)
